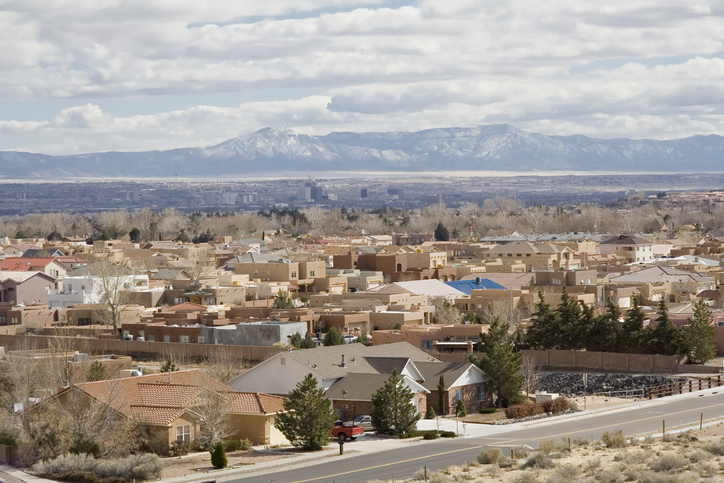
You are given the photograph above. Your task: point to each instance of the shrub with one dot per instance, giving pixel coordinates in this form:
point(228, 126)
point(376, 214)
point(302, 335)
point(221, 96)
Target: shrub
point(179, 449)
point(448, 434)
point(557, 405)
point(430, 414)
point(632, 457)
point(524, 410)
point(614, 440)
point(698, 455)
point(610, 475)
point(430, 435)
point(525, 477)
point(83, 468)
point(521, 451)
point(8, 436)
point(460, 410)
point(506, 462)
point(237, 445)
point(669, 462)
point(565, 474)
point(540, 461)
point(548, 446)
point(715, 447)
point(490, 456)
point(218, 456)
point(488, 410)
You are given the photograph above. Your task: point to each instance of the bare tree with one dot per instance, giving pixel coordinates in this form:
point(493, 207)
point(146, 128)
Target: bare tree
point(114, 285)
point(215, 425)
point(223, 363)
point(201, 263)
point(531, 376)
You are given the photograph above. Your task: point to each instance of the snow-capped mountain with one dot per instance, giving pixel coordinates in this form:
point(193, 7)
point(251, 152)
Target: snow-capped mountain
point(478, 148)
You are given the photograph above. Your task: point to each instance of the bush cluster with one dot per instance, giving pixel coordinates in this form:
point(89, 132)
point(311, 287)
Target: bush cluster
point(520, 411)
point(614, 440)
point(83, 468)
point(237, 445)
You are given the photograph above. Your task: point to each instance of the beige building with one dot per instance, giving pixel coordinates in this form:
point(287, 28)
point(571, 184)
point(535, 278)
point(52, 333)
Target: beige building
point(535, 256)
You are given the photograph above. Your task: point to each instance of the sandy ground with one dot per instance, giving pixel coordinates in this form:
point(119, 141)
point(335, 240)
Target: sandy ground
point(198, 463)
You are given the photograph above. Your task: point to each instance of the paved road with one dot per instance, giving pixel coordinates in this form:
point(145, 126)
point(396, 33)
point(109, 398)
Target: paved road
point(403, 462)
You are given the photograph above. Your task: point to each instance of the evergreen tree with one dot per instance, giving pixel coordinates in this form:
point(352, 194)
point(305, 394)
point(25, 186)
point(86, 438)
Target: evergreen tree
point(633, 338)
point(568, 314)
point(393, 411)
point(604, 331)
point(441, 396)
point(502, 364)
point(544, 328)
point(307, 342)
point(295, 340)
point(441, 233)
point(97, 372)
point(333, 337)
point(665, 338)
point(135, 235)
point(700, 335)
point(460, 409)
point(218, 456)
point(169, 366)
point(308, 417)
point(282, 300)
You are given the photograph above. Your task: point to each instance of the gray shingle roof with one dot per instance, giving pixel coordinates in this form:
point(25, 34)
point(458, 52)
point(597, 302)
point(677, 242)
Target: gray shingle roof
point(358, 387)
point(450, 371)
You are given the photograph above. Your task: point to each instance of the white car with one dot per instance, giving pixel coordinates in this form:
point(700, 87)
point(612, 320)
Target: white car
point(362, 420)
point(350, 338)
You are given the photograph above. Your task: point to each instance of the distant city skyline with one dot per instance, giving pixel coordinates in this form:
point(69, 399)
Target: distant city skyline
point(82, 77)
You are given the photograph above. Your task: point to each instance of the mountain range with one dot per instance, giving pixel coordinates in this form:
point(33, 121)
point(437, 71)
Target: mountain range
point(478, 148)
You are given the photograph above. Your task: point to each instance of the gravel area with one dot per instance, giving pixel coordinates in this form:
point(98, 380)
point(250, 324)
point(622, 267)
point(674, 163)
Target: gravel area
point(197, 463)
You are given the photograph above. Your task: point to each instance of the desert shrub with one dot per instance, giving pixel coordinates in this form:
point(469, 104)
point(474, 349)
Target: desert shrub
point(430, 414)
point(609, 475)
point(549, 446)
point(525, 477)
point(698, 455)
point(650, 477)
point(440, 478)
point(557, 405)
point(565, 474)
point(506, 462)
point(488, 410)
point(580, 441)
point(448, 434)
point(715, 447)
point(669, 462)
point(490, 456)
point(83, 468)
point(592, 466)
point(632, 457)
point(218, 456)
point(539, 461)
point(493, 471)
point(430, 435)
point(237, 445)
point(521, 451)
point(614, 440)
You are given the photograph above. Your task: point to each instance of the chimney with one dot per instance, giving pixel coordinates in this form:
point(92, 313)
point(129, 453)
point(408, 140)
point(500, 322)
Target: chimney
point(343, 364)
point(477, 280)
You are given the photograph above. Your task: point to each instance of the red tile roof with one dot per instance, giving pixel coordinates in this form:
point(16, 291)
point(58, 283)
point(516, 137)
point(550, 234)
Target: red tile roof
point(254, 402)
point(187, 306)
point(25, 264)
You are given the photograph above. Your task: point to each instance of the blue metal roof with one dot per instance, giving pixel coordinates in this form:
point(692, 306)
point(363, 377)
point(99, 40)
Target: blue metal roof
point(466, 286)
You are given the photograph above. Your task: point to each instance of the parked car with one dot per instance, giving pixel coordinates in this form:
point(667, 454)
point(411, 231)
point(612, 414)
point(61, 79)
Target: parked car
point(344, 433)
point(350, 338)
point(362, 420)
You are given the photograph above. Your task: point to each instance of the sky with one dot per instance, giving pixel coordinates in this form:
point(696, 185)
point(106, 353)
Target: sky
point(80, 76)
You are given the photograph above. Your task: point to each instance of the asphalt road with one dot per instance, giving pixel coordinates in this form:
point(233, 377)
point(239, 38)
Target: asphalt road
point(403, 462)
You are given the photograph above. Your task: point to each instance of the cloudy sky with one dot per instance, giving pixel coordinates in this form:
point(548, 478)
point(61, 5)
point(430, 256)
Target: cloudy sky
point(96, 75)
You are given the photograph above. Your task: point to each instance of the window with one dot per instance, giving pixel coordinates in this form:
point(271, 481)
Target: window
point(183, 433)
point(427, 344)
point(14, 321)
point(527, 255)
point(183, 338)
point(200, 339)
point(3, 320)
point(167, 338)
point(481, 393)
point(458, 395)
point(294, 274)
point(311, 273)
point(518, 255)
point(151, 338)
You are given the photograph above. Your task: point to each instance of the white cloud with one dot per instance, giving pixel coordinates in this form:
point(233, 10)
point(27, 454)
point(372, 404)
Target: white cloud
point(649, 68)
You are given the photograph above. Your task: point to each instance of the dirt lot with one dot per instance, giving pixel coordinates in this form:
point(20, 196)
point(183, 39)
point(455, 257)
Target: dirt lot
point(197, 463)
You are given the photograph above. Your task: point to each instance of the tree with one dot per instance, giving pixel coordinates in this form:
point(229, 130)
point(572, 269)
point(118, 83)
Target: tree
point(393, 411)
point(218, 456)
point(308, 417)
point(441, 233)
point(333, 337)
point(502, 364)
point(169, 366)
point(135, 235)
point(441, 395)
point(544, 328)
point(446, 313)
point(633, 337)
point(531, 376)
point(200, 263)
point(282, 300)
point(214, 422)
point(665, 338)
point(307, 342)
point(700, 335)
point(568, 314)
point(460, 410)
point(113, 287)
point(54, 235)
point(604, 331)
point(96, 372)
